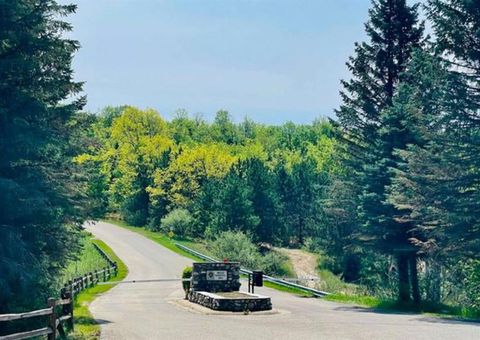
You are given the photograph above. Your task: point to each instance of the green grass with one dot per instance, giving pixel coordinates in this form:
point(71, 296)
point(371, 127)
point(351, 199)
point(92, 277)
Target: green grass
point(88, 261)
point(286, 289)
point(85, 325)
point(332, 283)
point(365, 301)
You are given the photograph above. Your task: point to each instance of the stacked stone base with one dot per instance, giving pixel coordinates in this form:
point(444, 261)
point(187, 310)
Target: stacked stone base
point(251, 302)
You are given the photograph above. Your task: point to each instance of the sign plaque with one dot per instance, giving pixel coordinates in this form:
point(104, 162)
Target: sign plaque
point(217, 275)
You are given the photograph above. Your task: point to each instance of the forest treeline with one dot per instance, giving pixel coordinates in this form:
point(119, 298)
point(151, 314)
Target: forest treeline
point(262, 180)
point(387, 192)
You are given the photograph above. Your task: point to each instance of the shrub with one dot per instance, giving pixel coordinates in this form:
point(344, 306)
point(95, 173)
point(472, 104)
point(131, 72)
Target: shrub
point(179, 221)
point(275, 263)
point(236, 247)
point(186, 274)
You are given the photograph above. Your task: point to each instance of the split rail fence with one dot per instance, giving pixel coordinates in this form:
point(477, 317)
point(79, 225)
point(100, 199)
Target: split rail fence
point(59, 312)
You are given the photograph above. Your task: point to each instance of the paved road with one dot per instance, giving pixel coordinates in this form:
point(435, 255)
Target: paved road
point(154, 310)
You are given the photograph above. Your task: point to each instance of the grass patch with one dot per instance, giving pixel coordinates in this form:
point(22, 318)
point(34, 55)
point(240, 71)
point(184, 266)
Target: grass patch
point(286, 289)
point(85, 325)
point(365, 301)
point(332, 283)
point(89, 260)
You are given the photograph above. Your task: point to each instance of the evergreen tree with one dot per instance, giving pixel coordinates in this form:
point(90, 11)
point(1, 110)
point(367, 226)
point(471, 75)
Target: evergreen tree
point(299, 193)
point(259, 179)
point(437, 186)
point(232, 208)
point(370, 137)
point(457, 25)
point(40, 196)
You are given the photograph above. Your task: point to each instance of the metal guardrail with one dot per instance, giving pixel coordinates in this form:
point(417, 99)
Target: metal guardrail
point(268, 278)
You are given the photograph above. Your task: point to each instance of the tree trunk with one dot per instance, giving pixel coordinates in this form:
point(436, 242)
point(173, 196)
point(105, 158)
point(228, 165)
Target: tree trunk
point(414, 279)
point(403, 282)
point(434, 279)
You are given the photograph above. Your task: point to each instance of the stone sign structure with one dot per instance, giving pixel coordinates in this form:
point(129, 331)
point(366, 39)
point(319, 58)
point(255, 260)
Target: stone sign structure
point(216, 277)
point(216, 286)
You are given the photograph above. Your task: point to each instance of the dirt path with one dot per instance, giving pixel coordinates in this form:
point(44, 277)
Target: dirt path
point(304, 265)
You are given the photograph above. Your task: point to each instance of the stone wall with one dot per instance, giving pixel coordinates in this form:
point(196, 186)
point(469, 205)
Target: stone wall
point(251, 302)
point(216, 277)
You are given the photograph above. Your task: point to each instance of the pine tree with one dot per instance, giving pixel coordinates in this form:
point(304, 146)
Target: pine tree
point(39, 190)
point(264, 200)
point(232, 208)
point(370, 135)
point(457, 25)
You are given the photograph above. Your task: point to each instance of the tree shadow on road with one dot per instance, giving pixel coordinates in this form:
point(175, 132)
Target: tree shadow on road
point(419, 316)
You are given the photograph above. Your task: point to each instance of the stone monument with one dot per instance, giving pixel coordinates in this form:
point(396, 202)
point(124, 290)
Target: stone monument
point(216, 286)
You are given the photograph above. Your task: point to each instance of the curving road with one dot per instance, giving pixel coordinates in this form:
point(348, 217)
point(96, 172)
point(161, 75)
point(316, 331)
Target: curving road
point(157, 311)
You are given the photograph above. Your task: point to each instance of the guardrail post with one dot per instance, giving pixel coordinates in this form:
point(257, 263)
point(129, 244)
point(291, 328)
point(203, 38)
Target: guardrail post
point(52, 320)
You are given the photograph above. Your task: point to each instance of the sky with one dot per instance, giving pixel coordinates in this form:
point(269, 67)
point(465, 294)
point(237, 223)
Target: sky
point(270, 60)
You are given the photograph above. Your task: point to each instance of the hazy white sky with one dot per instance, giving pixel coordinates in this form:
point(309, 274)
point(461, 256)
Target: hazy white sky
point(270, 60)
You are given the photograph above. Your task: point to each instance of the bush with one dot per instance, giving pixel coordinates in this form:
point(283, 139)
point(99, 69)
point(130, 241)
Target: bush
point(179, 221)
point(236, 247)
point(186, 274)
point(274, 263)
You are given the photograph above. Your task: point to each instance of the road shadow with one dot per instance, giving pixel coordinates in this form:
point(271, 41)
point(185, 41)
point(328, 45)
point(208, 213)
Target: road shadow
point(84, 320)
point(451, 321)
point(102, 322)
point(373, 310)
point(420, 317)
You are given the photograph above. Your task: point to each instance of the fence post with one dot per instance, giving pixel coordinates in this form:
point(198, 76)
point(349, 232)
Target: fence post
point(70, 286)
point(69, 309)
point(115, 268)
point(104, 274)
point(52, 320)
point(91, 279)
point(96, 275)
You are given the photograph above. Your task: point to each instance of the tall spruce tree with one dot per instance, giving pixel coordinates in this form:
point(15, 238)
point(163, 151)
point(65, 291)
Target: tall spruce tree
point(457, 27)
point(436, 185)
point(438, 182)
point(39, 196)
point(394, 32)
point(264, 199)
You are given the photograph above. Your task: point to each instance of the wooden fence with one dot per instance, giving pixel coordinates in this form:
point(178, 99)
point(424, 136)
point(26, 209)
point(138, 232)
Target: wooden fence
point(59, 312)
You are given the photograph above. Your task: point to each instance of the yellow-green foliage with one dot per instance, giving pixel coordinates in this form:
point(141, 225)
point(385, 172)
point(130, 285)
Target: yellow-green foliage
point(181, 180)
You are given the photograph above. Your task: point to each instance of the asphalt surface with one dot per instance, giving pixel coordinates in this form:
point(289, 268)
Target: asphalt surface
point(157, 310)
